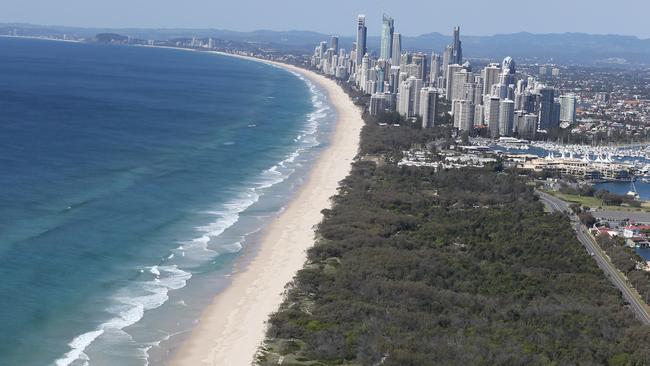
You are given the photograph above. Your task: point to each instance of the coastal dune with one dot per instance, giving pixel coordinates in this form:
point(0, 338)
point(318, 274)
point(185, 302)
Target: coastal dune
point(233, 327)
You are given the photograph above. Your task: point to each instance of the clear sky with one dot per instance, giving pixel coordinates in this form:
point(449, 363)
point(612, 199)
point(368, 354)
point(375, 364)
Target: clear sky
point(476, 17)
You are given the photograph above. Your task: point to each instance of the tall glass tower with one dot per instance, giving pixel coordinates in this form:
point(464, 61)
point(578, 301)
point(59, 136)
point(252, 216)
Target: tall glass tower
point(387, 30)
point(361, 39)
point(457, 48)
point(396, 52)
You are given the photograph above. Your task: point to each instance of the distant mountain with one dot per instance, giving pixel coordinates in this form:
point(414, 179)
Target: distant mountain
point(561, 47)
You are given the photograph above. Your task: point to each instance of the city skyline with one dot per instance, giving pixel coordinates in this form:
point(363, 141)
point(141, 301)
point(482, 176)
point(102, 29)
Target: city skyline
point(492, 101)
point(290, 15)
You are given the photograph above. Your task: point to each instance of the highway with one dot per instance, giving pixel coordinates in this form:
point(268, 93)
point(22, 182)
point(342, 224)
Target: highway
point(615, 276)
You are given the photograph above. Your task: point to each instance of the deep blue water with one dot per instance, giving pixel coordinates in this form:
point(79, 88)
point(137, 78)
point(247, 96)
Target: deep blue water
point(122, 172)
point(643, 189)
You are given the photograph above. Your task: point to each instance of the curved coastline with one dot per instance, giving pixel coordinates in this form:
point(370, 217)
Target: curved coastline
point(233, 326)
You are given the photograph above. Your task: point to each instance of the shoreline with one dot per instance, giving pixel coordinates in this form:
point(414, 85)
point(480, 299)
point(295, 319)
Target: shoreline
point(233, 327)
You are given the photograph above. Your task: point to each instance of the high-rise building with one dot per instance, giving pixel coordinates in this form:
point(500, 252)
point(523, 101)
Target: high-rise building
point(334, 44)
point(458, 81)
point(479, 113)
point(434, 73)
point(463, 114)
point(396, 49)
point(526, 124)
point(506, 117)
point(492, 115)
point(449, 80)
point(364, 73)
point(547, 96)
point(490, 76)
point(530, 102)
point(457, 48)
point(470, 92)
point(446, 61)
point(362, 33)
point(568, 108)
point(555, 114)
point(381, 102)
point(393, 79)
point(387, 29)
point(509, 70)
point(405, 59)
point(409, 97)
point(420, 61)
point(428, 106)
point(322, 49)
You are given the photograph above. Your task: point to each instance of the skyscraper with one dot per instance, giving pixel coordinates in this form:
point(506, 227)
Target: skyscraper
point(463, 114)
point(419, 59)
point(446, 61)
point(526, 124)
point(449, 78)
point(434, 74)
point(380, 102)
point(322, 49)
point(508, 69)
point(547, 96)
point(457, 48)
point(362, 32)
point(396, 49)
point(490, 76)
point(364, 73)
point(457, 82)
point(409, 97)
point(506, 117)
point(492, 115)
point(387, 29)
point(568, 108)
point(334, 44)
point(428, 106)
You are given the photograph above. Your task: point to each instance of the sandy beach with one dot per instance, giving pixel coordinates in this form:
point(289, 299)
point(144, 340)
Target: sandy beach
point(233, 327)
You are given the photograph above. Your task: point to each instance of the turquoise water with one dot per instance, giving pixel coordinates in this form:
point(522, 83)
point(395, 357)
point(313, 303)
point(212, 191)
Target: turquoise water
point(130, 180)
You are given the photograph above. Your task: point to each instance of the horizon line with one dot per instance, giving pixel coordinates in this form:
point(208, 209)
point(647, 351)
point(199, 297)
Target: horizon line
point(163, 28)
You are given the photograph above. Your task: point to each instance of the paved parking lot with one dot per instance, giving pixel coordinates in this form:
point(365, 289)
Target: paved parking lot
point(638, 217)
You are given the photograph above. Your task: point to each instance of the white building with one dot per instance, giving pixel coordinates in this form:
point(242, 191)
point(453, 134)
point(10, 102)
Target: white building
point(506, 117)
point(568, 108)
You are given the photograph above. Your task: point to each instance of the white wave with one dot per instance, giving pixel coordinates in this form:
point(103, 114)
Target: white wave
point(154, 270)
point(77, 347)
point(234, 247)
point(131, 303)
point(129, 309)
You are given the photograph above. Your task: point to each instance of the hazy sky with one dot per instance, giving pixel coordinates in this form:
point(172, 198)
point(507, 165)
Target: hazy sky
point(476, 17)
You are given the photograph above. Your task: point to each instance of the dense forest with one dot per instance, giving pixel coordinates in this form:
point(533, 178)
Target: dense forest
point(459, 267)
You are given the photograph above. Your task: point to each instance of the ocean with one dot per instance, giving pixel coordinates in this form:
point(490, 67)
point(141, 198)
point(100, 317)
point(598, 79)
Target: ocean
point(132, 181)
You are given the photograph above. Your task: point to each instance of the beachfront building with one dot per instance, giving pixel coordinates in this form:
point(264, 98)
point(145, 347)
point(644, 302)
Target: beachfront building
point(381, 103)
point(396, 49)
point(488, 98)
point(387, 30)
point(409, 97)
point(362, 32)
point(428, 106)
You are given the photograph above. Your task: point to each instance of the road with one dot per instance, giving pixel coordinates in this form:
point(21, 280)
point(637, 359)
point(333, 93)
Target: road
point(615, 276)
